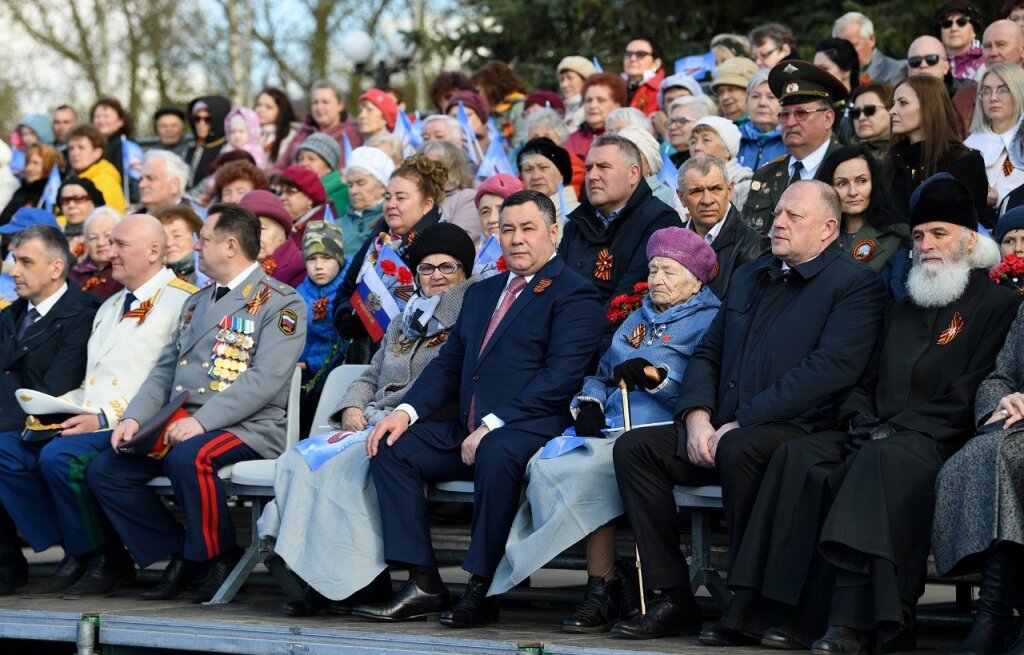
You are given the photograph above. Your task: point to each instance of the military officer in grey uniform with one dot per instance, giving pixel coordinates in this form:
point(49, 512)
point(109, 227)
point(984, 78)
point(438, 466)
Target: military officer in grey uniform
point(807, 95)
point(234, 350)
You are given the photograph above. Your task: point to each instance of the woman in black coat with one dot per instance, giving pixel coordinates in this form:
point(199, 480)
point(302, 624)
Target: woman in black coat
point(39, 161)
point(926, 142)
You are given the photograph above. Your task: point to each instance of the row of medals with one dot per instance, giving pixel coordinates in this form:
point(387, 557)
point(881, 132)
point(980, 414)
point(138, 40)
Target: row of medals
point(231, 352)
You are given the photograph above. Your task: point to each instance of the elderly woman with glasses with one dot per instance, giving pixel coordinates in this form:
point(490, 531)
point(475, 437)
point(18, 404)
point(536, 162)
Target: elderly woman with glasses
point(997, 109)
point(325, 516)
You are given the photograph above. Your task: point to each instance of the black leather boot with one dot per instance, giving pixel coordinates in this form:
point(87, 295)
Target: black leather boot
point(600, 609)
point(217, 571)
point(108, 568)
point(308, 604)
point(177, 575)
point(67, 573)
point(474, 609)
point(625, 570)
point(992, 631)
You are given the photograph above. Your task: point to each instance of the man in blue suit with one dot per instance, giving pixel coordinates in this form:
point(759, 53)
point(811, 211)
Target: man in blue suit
point(512, 363)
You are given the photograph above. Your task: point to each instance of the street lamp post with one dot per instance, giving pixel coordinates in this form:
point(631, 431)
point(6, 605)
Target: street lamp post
point(358, 47)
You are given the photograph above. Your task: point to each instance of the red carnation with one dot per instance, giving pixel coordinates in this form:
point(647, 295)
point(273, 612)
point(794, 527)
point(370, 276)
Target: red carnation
point(388, 267)
point(501, 265)
point(404, 275)
point(641, 288)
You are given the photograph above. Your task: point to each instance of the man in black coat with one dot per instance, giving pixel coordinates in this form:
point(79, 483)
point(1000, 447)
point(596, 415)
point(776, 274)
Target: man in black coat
point(793, 336)
point(44, 337)
point(606, 237)
point(706, 191)
point(839, 536)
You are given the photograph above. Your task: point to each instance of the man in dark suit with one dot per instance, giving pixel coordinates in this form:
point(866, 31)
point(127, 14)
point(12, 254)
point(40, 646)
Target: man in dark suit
point(706, 191)
point(795, 333)
point(839, 535)
point(512, 363)
point(44, 337)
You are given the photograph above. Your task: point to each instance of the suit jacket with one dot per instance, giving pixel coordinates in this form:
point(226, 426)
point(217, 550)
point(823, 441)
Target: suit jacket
point(253, 407)
point(734, 246)
point(122, 352)
point(793, 360)
point(50, 357)
point(532, 365)
point(766, 188)
point(930, 364)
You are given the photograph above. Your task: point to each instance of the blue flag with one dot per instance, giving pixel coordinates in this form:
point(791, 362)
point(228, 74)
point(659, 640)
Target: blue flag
point(487, 259)
point(412, 138)
point(496, 134)
point(563, 206)
point(696, 66)
point(382, 292)
point(50, 190)
point(495, 161)
point(468, 135)
point(131, 158)
point(17, 161)
point(329, 214)
point(347, 146)
point(597, 66)
point(669, 174)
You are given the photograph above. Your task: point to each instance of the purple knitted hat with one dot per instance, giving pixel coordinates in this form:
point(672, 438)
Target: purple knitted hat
point(686, 247)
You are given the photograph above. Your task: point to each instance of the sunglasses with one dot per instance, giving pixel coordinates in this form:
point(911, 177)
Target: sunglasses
point(636, 54)
point(446, 268)
point(202, 119)
point(73, 200)
point(948, 23)
point(867, 110)
point(931, 60)
point(799, 114)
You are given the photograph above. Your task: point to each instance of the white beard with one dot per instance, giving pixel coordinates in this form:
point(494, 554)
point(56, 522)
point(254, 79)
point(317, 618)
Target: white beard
point(938, 285)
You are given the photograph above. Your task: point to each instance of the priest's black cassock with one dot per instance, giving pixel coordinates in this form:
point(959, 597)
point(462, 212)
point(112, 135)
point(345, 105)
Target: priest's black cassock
point(842, 533)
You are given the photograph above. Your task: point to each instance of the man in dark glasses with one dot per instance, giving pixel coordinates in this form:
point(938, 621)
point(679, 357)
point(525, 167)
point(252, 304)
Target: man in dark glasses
point(927, 57)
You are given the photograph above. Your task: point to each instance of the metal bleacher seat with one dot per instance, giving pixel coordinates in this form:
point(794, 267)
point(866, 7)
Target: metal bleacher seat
point(253, 480)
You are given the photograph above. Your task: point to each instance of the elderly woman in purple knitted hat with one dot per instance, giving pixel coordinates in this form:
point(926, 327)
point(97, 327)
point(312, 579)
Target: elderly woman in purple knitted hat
point(571, 492)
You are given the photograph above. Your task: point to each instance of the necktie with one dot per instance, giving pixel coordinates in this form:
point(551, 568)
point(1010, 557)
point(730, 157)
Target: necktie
point(31, 316)
point(797, 167)
point(129, 298)
point(220, 292)
point(514, 287)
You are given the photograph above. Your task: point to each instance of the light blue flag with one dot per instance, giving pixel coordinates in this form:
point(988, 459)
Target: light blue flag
point(696, 66)
point(563, 206)
point(486, 264)
point(347, 146)
point(495, 133)
point(597, 66)
point(329, 215)
point(49, 196)
point(17, 164)
point(318, 449)
point(412, 138)
point(131, 158)
point(468, 134)
point(495, 161)
point(669, 174)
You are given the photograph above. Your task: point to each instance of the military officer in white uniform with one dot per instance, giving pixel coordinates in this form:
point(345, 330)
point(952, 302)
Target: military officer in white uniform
point(234, 350)
point(42, 484)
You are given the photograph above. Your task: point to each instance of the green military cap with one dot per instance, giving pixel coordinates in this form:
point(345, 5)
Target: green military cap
point(323, 238)
point(797, 81)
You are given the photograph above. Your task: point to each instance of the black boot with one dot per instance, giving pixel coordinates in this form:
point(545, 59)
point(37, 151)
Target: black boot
point(600, 609)
point(67, 573)
point(177, 575)
point(474, 609)
point(217, 571)
point(992, 631)
point(626, 571)
point(108, 568)
point(308, 604)
point(377, 592)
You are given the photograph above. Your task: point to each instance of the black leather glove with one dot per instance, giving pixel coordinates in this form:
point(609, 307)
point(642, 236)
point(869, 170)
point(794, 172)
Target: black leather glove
point(861, 426)
point(589, 420)
point(632, 373)
point(870, 429)
point(351, 326)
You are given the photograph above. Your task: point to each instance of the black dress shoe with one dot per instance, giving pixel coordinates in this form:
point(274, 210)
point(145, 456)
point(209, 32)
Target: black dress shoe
point(105, 572)
point(13, 578)
point(409, 603)
point(600, 608)
point(720, 636)
point(217, 571)
point(67, 573)
point(376, 593)
point(308, 604)
point(474, 609)
point(839, 640)
point(664, 617)
point(177, 575)
point(781, 638)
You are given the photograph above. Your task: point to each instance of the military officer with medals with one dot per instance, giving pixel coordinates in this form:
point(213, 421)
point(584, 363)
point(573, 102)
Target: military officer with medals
point(234, 350)
point(807, 95)
point(42, 482)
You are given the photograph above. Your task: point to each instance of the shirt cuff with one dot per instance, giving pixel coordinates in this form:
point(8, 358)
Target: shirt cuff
point(492, 422)
point(408, 409)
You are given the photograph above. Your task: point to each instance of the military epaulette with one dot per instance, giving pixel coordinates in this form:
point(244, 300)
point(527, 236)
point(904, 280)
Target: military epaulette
point(780, 158)
point(275, 286)
point(178, 283)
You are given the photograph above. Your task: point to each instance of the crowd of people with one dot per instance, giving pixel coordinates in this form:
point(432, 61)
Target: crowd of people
point(799, 274)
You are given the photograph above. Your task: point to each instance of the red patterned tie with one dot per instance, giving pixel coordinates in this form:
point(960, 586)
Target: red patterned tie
point(511, 293)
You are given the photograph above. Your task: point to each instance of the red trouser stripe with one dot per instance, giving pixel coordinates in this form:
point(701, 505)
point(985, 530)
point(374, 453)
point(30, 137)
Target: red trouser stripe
point(208, 489)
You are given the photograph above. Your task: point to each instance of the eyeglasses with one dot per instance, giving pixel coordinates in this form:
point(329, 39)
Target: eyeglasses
point(446, 268)
point(764, 54)
point(636, 54)
point(931, 60)
point(202, 119)
point(867, 110)
point(948, 23)
point(799, 114)
point(680, 121)
point(73, 200)
point(1000, 92)
point(287, 191)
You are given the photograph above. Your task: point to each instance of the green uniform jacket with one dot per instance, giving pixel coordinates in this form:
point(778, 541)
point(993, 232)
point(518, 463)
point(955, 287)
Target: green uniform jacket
point(766, 188)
